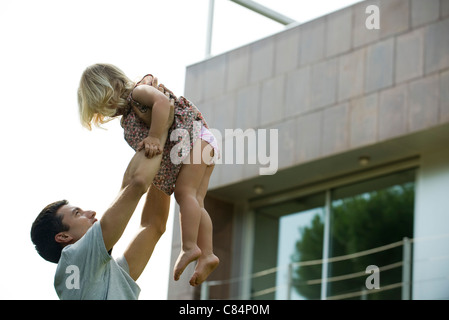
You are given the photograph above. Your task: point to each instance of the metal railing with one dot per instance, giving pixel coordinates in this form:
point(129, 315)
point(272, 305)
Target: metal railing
point(405, 283)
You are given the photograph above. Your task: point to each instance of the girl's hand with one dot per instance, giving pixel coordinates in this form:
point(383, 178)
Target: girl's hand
point(152, 146)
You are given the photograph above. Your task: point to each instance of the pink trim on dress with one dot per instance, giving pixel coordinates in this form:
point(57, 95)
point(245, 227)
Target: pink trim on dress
point(207, 136)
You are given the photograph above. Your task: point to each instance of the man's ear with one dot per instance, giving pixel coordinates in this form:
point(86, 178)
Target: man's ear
point(63, 238)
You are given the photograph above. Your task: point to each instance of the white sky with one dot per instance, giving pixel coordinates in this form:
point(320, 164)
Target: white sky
point(46, 154)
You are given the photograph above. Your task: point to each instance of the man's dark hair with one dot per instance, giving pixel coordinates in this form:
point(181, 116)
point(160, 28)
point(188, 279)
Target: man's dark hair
point(44, 229)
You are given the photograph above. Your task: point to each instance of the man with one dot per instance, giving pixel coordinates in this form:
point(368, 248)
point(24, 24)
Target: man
point(81, 245)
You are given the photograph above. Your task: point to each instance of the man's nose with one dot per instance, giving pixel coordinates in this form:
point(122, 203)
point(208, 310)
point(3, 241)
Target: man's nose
point(90, 214)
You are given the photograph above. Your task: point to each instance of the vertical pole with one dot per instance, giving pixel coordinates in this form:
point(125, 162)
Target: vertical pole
point(210, 26)
point(325, 267)
point(406, 268)
point(364, 295)
point(204, 291)
point(289, 279)
point(247, 258)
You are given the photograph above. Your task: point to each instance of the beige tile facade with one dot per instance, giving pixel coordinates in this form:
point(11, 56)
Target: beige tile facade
point(360, 86)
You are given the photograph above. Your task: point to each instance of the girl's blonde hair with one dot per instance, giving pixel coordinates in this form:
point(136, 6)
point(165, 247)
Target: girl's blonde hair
point(103, 88)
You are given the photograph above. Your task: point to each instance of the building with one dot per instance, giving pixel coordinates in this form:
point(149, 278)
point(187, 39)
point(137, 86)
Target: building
point(362, 172)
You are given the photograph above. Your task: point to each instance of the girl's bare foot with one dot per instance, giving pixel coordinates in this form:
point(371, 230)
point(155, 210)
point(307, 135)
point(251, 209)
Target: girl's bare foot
point(205, 266)
point(184, 258)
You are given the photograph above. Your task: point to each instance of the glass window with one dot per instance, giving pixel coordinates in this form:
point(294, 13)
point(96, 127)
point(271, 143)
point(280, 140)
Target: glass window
point(365, 215)
point(279, 231)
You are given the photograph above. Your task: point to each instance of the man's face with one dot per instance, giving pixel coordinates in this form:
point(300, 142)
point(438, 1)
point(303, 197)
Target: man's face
point(78, 220)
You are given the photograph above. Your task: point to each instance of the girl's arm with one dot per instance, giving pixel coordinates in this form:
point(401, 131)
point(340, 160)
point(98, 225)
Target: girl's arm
point(161, 117)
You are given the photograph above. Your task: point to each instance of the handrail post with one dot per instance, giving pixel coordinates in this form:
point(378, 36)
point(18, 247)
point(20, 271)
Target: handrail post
point(204, 291)
point(326, 245)
point(406, 268)
point(289, 279)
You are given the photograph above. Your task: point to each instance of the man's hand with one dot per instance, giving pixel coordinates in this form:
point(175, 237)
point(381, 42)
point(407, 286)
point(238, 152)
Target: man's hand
point(152, 146)
point(153, 81)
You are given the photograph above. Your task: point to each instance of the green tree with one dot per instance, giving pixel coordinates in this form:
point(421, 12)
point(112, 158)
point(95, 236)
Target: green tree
point(358, 223)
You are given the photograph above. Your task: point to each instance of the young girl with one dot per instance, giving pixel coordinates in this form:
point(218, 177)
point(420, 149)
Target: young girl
point(104, 93)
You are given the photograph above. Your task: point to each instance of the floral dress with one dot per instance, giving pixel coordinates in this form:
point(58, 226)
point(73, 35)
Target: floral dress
point(187, 117)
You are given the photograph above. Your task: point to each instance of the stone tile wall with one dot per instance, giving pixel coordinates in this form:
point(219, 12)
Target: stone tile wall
point(331, 85)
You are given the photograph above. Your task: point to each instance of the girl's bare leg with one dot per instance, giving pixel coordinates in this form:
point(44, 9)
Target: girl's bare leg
point(187, 185)
point(208, 261)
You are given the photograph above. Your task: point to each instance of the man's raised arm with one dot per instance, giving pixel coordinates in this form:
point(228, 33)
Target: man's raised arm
point(136, 181)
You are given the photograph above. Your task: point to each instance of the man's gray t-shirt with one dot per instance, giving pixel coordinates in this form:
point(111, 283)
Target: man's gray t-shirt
point(87, 272)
